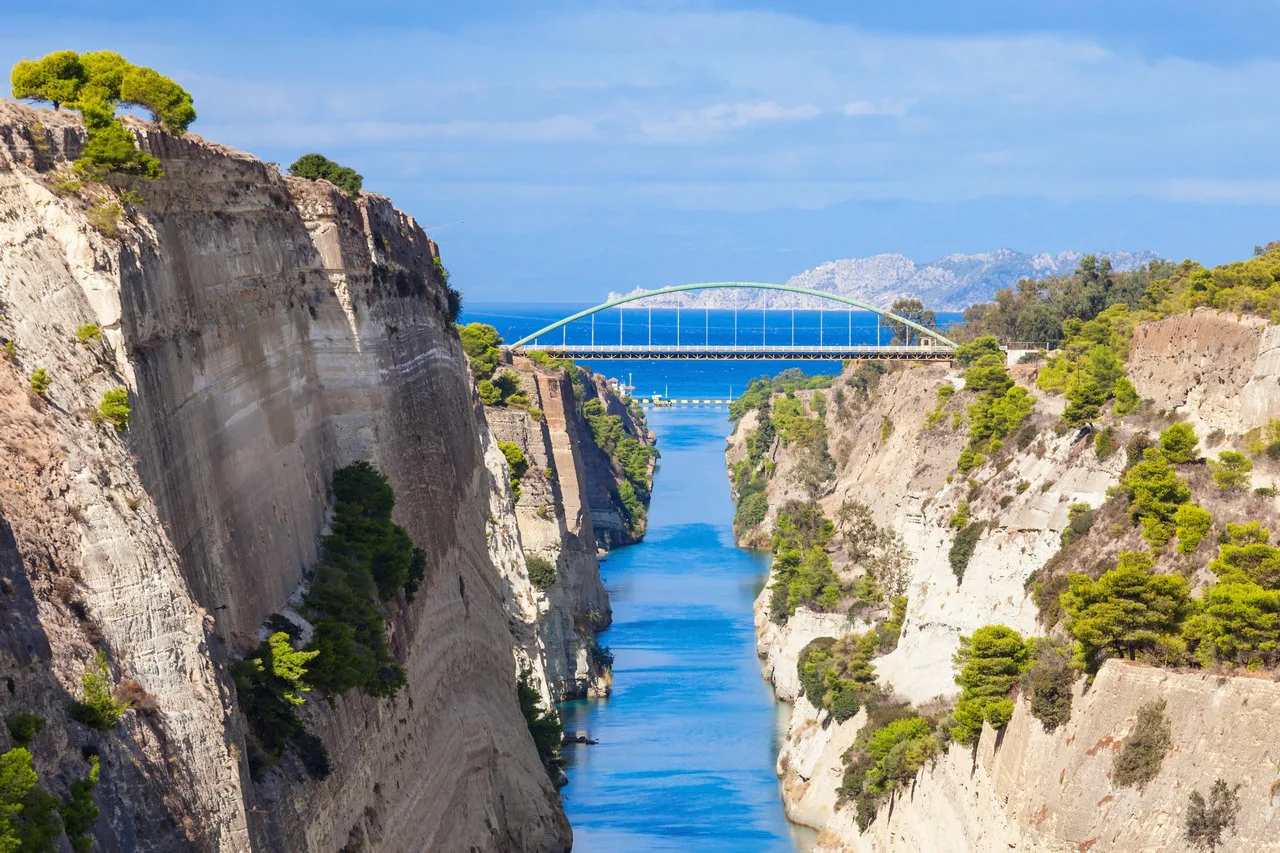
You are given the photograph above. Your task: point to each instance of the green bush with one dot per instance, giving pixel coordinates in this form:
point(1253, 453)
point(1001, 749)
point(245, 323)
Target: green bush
point(812, 669)
point(1231, 470)
point(80, 812)
point(1125, 611)
point(1179, 443)
point(365, 558)
point(1236, 624)
point(97, 84)
point(751, 511)
point(480, 342)
point(963, 547)
point(1206, 822)
point(542, 572)
point(315, 167)
point(544, 725)
point(989, 663)
point(1192, 524)
point(39, 381)
point(1155, 492)
point(1079, 523)
point(1104, 443)
point(1245, 556)
point(517, 463)
point(1139, 760)
point(98, 710)
point(23, 727)
point(1049, 683)
point(801, 570)
point(115, 409)
point(270, 685)
point(88, 332)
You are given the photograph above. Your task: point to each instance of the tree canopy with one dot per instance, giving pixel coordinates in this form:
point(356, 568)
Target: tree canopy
point(1127, 610)
point(315, 167)
point(97, 84)
point(989, 663)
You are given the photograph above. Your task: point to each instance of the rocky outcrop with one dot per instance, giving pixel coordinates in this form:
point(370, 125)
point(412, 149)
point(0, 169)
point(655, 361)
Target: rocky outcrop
point(1036, 792)
point(1218, 370)
point(569, 488)
point(1026, 789)
point(269, 330)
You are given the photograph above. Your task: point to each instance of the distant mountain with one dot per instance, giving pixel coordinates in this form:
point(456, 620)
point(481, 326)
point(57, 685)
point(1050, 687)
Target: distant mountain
point(951, 283)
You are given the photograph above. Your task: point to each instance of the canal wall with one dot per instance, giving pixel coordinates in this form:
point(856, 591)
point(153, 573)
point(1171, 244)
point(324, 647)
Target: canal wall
point(892, 453)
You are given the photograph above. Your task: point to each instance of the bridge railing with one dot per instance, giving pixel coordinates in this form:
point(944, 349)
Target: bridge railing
point(748, 348)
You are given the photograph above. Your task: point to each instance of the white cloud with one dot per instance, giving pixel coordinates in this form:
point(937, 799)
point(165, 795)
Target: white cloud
point(690, 124)
point(871, 108)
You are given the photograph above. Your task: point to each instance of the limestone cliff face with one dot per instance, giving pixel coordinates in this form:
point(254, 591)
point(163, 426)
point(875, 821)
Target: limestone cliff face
point(1035, 792)
point(566, 490)
point(269, 330)
point(1217, 371)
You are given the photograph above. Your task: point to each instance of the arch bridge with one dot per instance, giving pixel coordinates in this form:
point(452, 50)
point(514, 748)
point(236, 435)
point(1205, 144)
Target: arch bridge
point(928, 344)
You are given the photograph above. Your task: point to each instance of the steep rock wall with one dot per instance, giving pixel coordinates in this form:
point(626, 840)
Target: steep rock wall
point(1036, 792)
point(1219, 370)
point(271, 330)
point(1216, 371)
point(556, 520)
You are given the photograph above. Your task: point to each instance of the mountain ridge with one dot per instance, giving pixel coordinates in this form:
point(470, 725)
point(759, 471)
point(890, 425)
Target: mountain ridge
point(949, 283)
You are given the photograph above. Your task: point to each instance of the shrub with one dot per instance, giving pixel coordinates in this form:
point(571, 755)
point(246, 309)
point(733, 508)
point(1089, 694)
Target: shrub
point(1125, 611)
point(1079, 523)
point(1193, 524)
point(1049, 683)
point(1104, 443)
point(889, 631)
point(960, 517)
point(1231, 470)
point(104, 217)
point(542, 572)
point(1206, 822)
point(518, 464)
point(80, 812)
point(489, 393)
point(315, 167)
point(115, 409)
point(88, 332)
point(544, 725)
point(23, 727)
point(963, 547)
point(1155, 492)
point(1143, 752)
point(1179, 443)
point(270, 685)
point(480, 342)
point(1245, 556)
point(365, 558)
point(99, 710)
point(10, 350)
point(989, 663)
point(39, 381)
point(751, 511)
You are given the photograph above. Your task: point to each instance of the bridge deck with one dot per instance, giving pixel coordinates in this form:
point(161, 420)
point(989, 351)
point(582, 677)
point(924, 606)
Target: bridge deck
point(702, 352)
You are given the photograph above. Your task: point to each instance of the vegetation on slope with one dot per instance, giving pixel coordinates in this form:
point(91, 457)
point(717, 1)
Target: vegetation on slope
point(34, 821)
point(315, 167)
point(97, 84)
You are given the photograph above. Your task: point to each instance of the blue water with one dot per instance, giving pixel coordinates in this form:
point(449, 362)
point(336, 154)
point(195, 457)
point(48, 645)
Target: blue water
point(689, 378)
point(688, 740)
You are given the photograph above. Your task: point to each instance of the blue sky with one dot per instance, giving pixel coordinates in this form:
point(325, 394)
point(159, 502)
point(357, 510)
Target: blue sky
point(588, 147)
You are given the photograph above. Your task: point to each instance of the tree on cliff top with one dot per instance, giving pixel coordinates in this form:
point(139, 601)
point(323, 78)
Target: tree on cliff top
point(104, 79)
point(313, 167)
point(97, 84)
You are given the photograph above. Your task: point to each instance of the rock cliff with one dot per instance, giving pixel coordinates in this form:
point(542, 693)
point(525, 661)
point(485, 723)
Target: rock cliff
point(566, 490)
point(269, 330)
point(1027, 790)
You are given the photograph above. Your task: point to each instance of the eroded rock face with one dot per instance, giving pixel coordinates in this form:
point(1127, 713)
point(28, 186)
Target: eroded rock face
point(270, 331)
point(568, 488)
point(1026, 790)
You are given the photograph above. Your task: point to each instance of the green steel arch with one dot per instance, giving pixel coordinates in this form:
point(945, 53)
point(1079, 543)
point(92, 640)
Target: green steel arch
point(749, 285)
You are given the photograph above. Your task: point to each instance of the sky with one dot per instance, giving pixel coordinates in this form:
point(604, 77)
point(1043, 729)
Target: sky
point(561, 150)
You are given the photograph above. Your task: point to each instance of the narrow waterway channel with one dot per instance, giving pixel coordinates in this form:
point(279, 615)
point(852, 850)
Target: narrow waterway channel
point(688, 741)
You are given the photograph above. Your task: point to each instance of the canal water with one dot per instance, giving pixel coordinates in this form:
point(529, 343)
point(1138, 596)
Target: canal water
point(688, 741)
